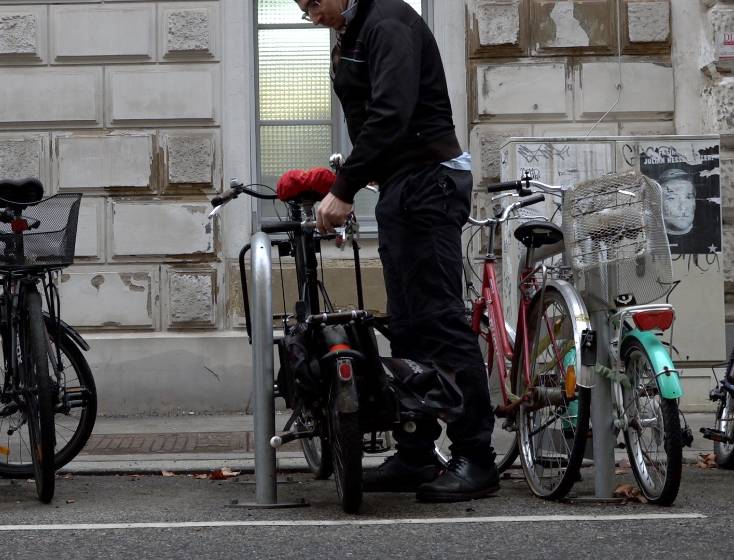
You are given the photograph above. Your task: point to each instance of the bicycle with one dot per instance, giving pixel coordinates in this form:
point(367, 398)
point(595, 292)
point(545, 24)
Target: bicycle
point(617, 246)
point(722, 434)
point(37, 238)
point(331, 375)
point(533, 368)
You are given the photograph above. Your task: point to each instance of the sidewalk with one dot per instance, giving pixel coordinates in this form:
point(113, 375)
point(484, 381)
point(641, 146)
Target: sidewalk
point(201, 443)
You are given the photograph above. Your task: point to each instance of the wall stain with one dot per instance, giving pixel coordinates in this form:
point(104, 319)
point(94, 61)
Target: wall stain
point(97, 281)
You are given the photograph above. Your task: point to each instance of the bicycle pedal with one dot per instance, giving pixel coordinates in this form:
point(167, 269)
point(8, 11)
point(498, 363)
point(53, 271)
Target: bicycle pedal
point(716, 435)
point(687, 437)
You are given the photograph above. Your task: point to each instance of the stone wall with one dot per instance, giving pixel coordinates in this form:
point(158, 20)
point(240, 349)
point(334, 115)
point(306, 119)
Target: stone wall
point(122, 101)
point(717, 115)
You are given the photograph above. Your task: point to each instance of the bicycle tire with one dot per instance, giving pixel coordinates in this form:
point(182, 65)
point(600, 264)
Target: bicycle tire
point(73, 427)
point(316, 451)
point(552, 427)
point(724, 452)
point(505, 445)
point(39, 401)
point(346, 452)
point(643, 397)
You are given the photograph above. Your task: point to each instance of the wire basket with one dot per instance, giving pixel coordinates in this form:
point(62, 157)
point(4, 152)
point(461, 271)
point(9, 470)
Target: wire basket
point(49, 245)
point(615, 240)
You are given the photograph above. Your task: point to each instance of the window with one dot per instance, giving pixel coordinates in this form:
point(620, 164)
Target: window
point(298, 118)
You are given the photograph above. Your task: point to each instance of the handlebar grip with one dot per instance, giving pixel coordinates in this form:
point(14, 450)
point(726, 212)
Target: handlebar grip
point(226, 197)
point(506, 186)
point(532, 200)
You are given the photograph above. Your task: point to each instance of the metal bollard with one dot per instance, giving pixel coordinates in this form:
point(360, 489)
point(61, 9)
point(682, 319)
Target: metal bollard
point(266, 489)
point(262, 370)
point(604, 438)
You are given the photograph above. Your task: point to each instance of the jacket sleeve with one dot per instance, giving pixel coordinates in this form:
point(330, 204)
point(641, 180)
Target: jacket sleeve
point(394, 63)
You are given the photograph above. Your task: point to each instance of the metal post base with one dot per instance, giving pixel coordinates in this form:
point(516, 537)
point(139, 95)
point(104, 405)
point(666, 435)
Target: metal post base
point(280, 505)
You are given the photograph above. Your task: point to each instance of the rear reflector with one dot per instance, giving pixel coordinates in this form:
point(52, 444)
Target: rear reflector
point(650, 320)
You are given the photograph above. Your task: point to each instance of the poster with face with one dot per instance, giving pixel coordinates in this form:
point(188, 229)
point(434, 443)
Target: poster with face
point(688, 172)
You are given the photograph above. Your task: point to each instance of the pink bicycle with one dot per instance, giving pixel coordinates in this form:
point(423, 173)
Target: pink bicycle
point(535, 370)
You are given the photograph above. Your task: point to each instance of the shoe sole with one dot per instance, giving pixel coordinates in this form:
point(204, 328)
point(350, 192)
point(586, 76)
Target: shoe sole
point(449, 497)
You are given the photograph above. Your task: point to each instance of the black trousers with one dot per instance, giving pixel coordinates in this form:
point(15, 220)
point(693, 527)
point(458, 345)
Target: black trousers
point(420, 215)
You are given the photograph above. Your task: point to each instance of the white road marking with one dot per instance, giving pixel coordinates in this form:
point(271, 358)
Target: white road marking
point(357, 522)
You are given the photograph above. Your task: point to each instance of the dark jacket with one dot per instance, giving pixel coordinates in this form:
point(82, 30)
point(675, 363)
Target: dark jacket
point(391, 84)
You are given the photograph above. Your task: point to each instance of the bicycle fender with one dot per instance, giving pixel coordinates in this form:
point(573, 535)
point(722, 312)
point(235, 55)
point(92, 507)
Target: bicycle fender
point(347, 400)
point(69, 331)
point(666, 372)
point(580, 317)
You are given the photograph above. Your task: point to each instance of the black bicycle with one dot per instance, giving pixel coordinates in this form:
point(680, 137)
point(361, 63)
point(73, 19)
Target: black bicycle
point(48, 398)
point(331, 375)
point(722, 434)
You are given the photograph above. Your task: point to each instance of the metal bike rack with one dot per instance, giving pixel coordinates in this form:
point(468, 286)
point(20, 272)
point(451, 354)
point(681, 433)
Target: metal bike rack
point(602, 419)
point(266, 490)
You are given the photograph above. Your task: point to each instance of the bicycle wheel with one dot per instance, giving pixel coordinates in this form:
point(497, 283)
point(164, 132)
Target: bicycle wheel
point(346, 451)
point(316, 450)
point(553, 421)
point(724, 452)
point(504, 436)
point(75, 404)
point(653, 437)
point(37, 394)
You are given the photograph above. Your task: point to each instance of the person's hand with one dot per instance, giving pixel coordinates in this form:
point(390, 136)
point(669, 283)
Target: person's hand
point(332, 213)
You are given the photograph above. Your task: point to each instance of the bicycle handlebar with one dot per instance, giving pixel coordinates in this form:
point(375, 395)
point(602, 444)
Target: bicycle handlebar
point(507, 211)
point(287, 226)
point(505, 186)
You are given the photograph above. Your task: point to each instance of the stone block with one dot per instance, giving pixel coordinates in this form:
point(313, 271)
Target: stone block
point(47, 97)
point(497, 22)
point(108, 31)
point(718, 106)
point(151, 229)
point(512, 91)
point(111, 298)
point(94, 161)
point(485, 143)
point(647, 89)
point(727, 182)
point(24, 155)
point(719, 20)
point(191, 298)
point(22, 34)
point(90, 230)
point(191, 158)
point(163, 94)
point(648, 21)
point(189, 29)
point(583, 26)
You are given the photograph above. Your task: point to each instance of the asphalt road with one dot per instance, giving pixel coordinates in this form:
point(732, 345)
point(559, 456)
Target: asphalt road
point(136, 517)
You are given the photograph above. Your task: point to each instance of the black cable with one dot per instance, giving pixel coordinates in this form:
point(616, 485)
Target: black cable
point(468, 261)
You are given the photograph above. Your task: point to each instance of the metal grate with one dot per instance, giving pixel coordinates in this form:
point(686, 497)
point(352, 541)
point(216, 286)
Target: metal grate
point(49, 245)
point(615, 240)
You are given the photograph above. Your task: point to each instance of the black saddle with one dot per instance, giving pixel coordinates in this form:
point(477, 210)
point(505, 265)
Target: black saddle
point(537, 233)
point(21, 191)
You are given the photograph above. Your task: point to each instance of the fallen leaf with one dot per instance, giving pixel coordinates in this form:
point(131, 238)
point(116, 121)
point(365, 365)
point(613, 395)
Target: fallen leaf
point(706, 461)
point(70, 501)
point(168, 473)
point(624, 464)
point(629, 493)
point(201, 476)
point(4, 451)
point(223, 473)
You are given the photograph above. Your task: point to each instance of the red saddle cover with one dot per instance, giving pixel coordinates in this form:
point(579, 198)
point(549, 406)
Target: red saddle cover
point(314, 184)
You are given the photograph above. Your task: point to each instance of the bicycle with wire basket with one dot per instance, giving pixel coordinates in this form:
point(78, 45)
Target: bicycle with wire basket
point(617, 248)
point(330, 373)
point(535, 370)
point(44, 374)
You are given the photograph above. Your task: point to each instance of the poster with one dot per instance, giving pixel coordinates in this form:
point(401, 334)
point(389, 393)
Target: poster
point(689, 174)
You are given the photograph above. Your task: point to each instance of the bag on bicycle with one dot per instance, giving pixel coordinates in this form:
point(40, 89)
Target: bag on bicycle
point(425, 389)
point(299, 369)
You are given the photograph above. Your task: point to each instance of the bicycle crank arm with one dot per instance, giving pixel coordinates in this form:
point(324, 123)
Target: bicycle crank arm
point(279, 441)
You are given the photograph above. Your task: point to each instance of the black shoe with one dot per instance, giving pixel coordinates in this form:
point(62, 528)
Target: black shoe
point(397, 475)
point(462, 481)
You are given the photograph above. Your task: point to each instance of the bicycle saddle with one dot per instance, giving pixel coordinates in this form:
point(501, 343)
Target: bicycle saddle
point(537, 233)
point(21, 191)
point(311, 185)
